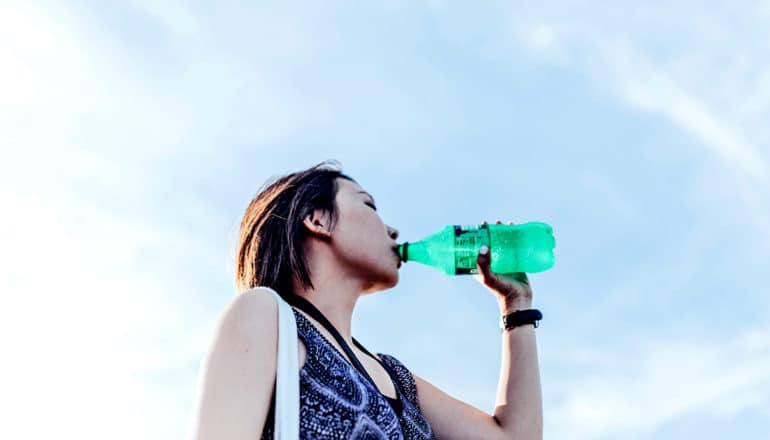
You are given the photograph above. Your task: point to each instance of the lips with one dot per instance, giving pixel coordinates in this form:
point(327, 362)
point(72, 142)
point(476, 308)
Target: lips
point(395, 251)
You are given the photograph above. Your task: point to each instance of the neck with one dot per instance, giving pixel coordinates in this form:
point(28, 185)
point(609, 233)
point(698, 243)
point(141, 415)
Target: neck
point(335, 299)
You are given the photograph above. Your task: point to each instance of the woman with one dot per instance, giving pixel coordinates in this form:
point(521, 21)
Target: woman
point(315, 238)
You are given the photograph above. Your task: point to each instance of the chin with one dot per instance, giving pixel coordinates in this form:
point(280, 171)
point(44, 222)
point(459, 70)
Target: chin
point(385, 283)
point(395, 280)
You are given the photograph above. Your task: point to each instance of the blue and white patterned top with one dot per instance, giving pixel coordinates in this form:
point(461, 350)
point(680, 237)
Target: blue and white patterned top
point(337, 402)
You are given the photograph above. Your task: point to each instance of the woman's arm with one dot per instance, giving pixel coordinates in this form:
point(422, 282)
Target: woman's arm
point(238, 376)
point(519, 406)
point(518, 410)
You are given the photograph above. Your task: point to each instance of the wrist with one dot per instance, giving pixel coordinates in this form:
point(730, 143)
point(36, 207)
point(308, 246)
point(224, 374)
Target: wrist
point(510, 305)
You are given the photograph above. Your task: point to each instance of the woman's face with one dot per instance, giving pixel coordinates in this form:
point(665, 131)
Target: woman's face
point(361, 241)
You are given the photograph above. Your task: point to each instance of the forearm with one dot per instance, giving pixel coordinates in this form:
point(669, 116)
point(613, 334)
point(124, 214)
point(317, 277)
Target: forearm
point(519, 405)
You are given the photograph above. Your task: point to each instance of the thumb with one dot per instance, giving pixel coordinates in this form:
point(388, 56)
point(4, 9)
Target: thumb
point(483, 264)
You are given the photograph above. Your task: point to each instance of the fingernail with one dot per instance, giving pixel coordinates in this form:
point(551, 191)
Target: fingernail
point(484, 249)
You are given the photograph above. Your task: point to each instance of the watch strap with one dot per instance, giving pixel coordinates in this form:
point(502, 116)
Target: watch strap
point(519, 318)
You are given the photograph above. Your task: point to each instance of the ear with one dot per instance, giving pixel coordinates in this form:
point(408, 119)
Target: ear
point(318, 223)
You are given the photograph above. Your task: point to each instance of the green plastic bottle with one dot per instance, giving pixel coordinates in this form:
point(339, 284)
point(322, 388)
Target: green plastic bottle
point(527, 247)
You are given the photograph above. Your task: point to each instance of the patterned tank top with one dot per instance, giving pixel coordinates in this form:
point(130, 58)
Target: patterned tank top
point(337, 402)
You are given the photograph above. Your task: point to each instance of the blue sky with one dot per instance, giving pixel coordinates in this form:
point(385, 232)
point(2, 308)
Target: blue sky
point(133, 135)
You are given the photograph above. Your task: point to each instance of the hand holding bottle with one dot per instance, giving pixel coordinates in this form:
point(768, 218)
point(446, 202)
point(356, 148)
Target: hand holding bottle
point(512, 290)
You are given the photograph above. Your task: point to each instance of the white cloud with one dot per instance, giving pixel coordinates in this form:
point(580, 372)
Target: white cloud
point(647, 385)
point(685, 84)
point(81, 327)
point(46, 80)
point(540, 37)
point(85, 324)
point(704, 72)
point(652, 89)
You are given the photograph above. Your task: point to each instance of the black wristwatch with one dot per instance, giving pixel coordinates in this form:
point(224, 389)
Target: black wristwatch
point(520, 317)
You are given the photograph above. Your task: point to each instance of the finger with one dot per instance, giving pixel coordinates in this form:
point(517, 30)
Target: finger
point(483, 264)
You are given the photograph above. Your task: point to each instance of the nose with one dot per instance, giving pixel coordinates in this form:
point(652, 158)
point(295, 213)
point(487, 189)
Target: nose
point(392, 232)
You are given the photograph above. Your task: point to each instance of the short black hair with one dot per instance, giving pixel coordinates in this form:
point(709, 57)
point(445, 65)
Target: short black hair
point(270, 249)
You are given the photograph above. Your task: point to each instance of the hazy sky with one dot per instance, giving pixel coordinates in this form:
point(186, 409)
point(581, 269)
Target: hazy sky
point(133, 135)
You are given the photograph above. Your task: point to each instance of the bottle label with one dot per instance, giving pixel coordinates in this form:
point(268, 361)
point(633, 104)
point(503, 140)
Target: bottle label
point(468, 241)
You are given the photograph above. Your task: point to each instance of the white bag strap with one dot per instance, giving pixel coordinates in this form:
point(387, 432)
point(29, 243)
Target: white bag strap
point(287, 374)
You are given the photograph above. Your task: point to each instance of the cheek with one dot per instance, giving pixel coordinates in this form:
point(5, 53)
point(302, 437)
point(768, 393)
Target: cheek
point(365, 236)
point(365, 245)
point(367, 228)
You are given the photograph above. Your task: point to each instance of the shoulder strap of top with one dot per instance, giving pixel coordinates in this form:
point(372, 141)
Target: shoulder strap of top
point(306, 306)
point(287, 373)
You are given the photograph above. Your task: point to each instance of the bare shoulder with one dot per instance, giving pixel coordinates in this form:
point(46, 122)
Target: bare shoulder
point(249, 315)
point(239, 370)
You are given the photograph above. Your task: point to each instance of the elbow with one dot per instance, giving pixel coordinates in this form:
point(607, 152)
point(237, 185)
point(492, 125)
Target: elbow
point(520, 430)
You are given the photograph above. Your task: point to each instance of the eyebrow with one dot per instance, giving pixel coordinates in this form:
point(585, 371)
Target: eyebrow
point(370, 196)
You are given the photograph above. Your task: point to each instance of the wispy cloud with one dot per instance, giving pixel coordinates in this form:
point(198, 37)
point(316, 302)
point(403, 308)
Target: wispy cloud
point(704, 73)
point(653, 89)
point(654, 381)
point(649, 81)
point(87, 320)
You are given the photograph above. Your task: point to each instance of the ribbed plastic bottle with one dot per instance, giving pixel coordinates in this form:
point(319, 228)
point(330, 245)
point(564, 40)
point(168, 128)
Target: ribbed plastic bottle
point(527, 247)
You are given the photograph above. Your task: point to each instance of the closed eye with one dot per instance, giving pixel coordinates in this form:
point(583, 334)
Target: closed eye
point(371, 205)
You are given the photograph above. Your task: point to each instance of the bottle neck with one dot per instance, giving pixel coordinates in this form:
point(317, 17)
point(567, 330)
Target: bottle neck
point(416, 251)
point(403, 252)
